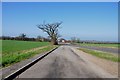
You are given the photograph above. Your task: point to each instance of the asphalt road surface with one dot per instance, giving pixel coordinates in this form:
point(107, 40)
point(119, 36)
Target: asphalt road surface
point(64, 62)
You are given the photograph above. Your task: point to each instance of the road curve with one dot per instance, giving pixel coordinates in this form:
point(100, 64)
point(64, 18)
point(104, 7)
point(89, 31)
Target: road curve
point(64, 62)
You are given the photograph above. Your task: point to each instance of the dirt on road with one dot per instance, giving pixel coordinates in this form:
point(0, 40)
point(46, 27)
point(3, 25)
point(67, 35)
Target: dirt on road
point(69, 62)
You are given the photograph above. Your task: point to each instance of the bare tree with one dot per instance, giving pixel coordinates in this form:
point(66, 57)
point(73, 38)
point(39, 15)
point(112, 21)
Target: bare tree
point(51, 30)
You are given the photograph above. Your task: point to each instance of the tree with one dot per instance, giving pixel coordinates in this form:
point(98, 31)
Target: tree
point(51, 30)
point(78, 40)
point(22, 36)
point(75, 40)
point(39, 38)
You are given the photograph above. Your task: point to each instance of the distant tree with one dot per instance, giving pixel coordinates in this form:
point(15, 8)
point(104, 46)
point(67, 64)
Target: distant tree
point(51, 30)
point(39, 38)
point(22, 36)
point(78, 40)
point(73, 39)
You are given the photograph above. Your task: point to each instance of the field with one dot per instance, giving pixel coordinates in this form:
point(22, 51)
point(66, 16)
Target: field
point(15, 51)
point(0, 46)
point(101, 54)
point(10, 46)
point(101, 45)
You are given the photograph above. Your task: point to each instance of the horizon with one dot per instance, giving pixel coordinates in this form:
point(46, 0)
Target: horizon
point(84, 20)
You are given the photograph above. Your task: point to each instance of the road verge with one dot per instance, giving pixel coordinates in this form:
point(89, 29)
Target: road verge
point(101, 54)
point(22, 69)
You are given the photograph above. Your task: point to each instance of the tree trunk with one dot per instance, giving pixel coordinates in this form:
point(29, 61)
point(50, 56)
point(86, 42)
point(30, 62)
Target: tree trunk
point(54, 42)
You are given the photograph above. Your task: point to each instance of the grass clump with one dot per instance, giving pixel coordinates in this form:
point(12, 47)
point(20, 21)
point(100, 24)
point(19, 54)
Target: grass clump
point(101, 54)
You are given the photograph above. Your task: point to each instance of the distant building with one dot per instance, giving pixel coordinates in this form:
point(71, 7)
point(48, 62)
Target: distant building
point(62, 40)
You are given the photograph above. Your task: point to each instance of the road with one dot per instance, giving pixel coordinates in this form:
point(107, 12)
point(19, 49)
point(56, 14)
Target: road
point(65, 62)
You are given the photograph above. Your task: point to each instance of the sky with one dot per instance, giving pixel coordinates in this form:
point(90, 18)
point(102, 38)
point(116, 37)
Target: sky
point(60, 0)
point(84, 20)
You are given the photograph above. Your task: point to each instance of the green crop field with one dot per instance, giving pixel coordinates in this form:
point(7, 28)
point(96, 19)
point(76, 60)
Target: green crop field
point(0, 46)
point(15, 51)
point(10, 46)
point(101, 45)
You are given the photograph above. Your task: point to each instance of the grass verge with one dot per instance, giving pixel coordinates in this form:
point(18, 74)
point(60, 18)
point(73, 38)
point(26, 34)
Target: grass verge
point(103, 55)
point(19, 56)
point(101, 45)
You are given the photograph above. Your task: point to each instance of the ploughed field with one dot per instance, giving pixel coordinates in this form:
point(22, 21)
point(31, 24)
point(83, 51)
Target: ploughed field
point(14, 51)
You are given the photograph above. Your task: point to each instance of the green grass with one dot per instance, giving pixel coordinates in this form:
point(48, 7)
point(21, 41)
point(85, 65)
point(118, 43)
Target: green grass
point(101, 45)
point(10, 46)
point(100, 54)
point(15, 51)
point(17, 57)
point(0, 46)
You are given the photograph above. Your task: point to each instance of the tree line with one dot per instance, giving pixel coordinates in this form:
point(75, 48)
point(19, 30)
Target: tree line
point(23, 37)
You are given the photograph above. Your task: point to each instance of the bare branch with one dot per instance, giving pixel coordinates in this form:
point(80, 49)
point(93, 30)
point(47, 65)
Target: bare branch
point(51, 30)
